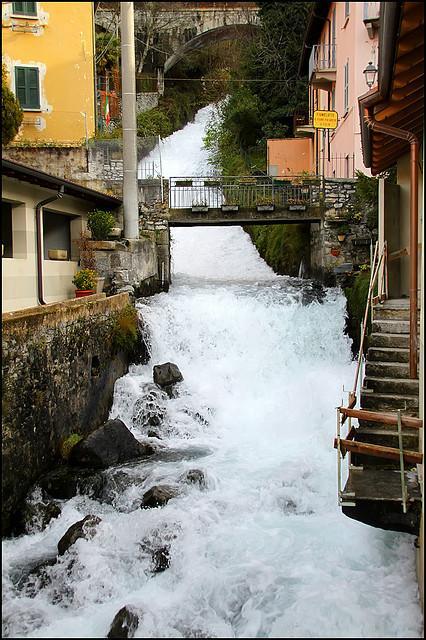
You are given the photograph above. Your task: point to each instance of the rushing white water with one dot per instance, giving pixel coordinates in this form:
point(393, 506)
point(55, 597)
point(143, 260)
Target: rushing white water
point(262, 550)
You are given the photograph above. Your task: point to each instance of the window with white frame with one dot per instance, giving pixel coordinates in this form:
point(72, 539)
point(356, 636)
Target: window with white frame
point(27, 87)
point(27, 9)
point(346, 88)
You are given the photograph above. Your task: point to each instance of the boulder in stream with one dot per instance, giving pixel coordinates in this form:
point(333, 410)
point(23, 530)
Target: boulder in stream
point(65, 482)
point(158, 496)
point(161, 559)
point(111, 444)
point(85, 528)
point(194, 476)
point(166, 376)
point(124, 624)
point(36, 515)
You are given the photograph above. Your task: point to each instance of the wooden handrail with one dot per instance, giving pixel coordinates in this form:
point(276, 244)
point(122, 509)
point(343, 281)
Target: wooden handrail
point(385, 418)
point(377, 450)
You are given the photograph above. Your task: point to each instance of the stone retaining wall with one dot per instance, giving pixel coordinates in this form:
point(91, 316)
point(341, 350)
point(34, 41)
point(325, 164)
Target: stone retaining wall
point(60, 364)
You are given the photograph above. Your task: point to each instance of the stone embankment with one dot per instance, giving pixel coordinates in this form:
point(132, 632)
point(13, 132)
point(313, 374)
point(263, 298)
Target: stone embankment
point(60, 363)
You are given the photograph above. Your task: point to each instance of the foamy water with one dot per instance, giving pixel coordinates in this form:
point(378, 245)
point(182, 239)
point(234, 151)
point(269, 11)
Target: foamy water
point(262, 551)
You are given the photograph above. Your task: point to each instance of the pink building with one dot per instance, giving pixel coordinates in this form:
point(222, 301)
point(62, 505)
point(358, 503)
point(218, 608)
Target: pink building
point(341, 39)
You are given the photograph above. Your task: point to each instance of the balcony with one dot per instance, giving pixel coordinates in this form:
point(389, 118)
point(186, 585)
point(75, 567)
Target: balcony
point(371, 17)
point(322, 66)
point(302, 126)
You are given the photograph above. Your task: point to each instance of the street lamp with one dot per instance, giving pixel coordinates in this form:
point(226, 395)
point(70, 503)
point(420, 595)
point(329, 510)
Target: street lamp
point(370, 73)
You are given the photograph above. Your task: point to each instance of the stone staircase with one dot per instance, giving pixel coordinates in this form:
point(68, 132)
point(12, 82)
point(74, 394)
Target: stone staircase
point(387, 386)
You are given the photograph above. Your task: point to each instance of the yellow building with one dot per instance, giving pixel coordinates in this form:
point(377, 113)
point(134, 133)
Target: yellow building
point(48, 50)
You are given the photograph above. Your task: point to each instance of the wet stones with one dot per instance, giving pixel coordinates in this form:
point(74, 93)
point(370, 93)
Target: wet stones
point(150, 408)
point(194, 476)
point(124, 625)
point(36, 515)
point(85, 528)
point(161, 559)
point(110, 444)
point(166, 376)
point(158, 496)
point(65, 482)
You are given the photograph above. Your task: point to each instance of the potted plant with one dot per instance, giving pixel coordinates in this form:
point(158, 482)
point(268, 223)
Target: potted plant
point(199, 206)
point(100, 224)
point(231, 203)
point(342, 232)
point(88, 259)
point(265, 203)
point(85, 282)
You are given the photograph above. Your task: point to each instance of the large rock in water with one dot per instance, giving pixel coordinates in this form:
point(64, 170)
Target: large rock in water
point(166, 376)
point(110, 444)
point(158, 496)
point(82, 529)
point(124, 624)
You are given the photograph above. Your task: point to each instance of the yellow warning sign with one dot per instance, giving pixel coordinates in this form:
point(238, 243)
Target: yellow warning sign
point(325, 119)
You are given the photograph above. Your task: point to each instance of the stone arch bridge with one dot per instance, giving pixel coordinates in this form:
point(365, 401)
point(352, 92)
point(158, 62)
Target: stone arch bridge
point(171, 30)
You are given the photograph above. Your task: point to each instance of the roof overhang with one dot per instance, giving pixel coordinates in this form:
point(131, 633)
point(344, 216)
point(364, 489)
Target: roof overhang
point(398, 100)
point(40, 178)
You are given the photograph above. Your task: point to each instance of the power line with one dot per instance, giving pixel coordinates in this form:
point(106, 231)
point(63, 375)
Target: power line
point(215, 79)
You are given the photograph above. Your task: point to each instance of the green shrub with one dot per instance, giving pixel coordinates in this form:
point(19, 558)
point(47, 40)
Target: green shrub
point(356, 296)
point(125, 330)
point(154, 122)
point(100, 224)
point(68, 443)
point(12, 113)
point(85, 279)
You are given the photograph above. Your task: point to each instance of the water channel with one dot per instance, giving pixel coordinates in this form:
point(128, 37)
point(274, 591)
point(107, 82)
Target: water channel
point(262, 549)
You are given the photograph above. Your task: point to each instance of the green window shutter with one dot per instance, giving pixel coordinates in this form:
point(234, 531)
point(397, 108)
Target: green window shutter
point(27, 87)
point(18, 7)
point(24, 8)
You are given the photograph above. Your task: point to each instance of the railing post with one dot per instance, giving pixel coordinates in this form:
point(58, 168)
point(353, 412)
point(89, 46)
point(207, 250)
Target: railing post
point(401, 464)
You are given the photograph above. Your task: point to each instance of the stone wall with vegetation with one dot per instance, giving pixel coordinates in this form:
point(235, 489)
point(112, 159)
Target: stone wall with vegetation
point(60, 363)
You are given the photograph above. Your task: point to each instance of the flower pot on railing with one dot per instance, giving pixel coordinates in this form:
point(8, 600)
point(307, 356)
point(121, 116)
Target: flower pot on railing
point(265, 207)
point(230, 208)
point(199, 208)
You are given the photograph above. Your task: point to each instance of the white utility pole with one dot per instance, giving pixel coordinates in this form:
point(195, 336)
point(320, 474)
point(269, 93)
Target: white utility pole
point(130, 178)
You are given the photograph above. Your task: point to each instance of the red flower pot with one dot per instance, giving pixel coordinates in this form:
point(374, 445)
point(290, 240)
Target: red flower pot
point(81, 293)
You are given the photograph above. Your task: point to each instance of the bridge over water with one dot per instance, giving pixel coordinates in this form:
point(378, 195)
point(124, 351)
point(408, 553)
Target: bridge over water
point(230, 200)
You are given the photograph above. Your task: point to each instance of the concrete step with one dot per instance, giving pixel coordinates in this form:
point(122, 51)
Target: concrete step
point(396, 340)
point(402, 386)
point(387, 354)
point(387, 311)
point(388, 438)
point(387, 369)
point(375, 401)
point(391, 326)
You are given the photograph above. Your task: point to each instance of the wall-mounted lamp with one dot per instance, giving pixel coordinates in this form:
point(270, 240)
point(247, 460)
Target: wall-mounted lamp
point(370, 73)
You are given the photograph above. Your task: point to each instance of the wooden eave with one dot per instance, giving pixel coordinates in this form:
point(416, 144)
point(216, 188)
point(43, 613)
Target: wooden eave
point(403, 107)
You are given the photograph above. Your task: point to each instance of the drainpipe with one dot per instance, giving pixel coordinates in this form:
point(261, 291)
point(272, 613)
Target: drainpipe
point(38, 210)
point(414, 206)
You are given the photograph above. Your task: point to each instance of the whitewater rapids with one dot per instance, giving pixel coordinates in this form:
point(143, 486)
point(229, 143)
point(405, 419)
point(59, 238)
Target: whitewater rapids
point(263, 550)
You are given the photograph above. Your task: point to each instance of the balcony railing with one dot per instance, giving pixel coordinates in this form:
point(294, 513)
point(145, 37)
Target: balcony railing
point(371, 11)
point(323, 58)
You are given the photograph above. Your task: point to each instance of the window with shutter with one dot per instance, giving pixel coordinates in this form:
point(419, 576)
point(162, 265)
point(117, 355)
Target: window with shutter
point(27, 87)
point(24, 8)
point(346, 88)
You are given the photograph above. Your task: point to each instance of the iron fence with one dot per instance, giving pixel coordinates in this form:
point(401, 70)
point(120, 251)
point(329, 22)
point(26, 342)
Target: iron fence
point(245, 192)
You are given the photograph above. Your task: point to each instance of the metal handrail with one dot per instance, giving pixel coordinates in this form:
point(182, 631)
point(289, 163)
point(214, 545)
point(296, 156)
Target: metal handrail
point(378, 259)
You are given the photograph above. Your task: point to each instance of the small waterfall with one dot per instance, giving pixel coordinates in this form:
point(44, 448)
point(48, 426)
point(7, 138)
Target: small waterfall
point(302, 269)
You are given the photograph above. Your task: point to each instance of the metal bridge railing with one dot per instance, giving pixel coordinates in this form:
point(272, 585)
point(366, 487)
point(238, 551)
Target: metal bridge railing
point(241, 191)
